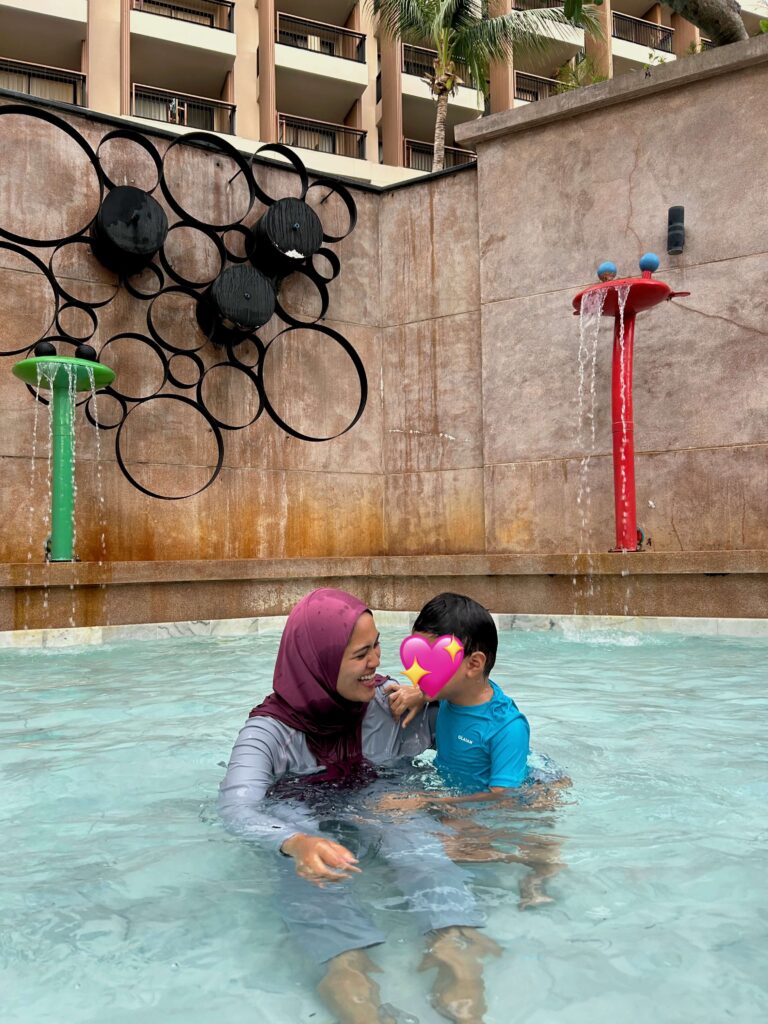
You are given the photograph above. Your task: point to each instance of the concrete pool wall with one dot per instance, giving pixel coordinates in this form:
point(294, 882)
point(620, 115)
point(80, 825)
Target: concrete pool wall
point(464, 471)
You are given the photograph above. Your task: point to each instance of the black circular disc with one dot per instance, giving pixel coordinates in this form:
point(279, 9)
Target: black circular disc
point(289, 233)
point(244, 296)
point(130, 228)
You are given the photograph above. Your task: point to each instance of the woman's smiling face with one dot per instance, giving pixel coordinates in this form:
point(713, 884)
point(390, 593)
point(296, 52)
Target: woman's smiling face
point(361, 658)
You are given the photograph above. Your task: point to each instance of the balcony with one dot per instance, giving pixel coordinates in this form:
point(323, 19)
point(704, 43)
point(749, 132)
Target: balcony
point(189, 45)
point(182, 109)
point(418, 60)
point(321, 136)
point(44, 82)
point(532, 88)
point(50, 33)
point(643, 33)
point(418, 155)
point(535, 5)
point(320, 38)
point(210, 13)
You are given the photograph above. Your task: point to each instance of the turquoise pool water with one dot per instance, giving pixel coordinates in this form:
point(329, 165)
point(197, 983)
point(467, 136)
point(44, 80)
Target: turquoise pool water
point(122, 899)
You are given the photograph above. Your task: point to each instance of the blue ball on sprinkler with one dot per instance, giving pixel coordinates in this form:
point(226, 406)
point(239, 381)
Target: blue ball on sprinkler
point(606, 271)
point(650, 261)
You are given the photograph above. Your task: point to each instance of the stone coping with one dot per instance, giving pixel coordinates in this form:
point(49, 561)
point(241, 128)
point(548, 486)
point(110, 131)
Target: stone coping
point(643, 563)
point(85, 636)
point(621, 89)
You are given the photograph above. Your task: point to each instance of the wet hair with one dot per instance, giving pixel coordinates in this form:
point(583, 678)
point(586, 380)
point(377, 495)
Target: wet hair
point(464, 618)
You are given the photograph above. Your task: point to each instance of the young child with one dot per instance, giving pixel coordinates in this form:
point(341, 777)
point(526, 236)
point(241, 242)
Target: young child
point(482, 741)
point(482, 737)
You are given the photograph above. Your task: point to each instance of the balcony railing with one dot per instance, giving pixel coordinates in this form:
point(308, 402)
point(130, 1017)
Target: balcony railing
point(532, 88)
point(644, 33)
point(180, 108)
point(418, 155)
point(45, 82)
point(535, 5)
point(211, 13)
point(320, 38)
point(707, 44)
point(418, 60)
point(321, 136)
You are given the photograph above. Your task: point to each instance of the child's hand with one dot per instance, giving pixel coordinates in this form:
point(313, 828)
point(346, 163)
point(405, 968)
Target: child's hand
point(405, 701)
point(402, 802)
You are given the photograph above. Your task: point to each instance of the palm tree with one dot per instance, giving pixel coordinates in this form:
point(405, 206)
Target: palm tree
point(468, 40)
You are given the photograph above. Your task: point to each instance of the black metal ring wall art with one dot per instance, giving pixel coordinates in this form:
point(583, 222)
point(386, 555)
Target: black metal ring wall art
point(129, 234)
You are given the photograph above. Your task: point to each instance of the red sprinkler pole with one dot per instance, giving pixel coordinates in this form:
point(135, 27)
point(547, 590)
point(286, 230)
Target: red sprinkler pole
point(641, 293)
point(624, 434)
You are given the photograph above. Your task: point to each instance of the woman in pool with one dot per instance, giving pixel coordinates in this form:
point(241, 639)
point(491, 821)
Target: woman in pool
point(328, 722)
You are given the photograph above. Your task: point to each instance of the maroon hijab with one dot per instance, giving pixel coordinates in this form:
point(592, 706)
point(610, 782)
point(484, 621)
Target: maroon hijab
point(305, 698)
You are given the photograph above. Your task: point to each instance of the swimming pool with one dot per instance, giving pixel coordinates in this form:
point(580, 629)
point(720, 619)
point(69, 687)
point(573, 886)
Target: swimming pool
point(122, 898)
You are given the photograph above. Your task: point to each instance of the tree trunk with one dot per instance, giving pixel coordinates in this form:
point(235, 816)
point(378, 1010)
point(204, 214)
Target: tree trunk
point(718, 20)
point(438, 156)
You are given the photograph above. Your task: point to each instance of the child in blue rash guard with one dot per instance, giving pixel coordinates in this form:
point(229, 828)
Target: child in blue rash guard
point(482, 741)
point(482, 738)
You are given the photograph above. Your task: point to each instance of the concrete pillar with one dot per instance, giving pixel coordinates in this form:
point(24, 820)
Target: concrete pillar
point(687, 38)
point(245, 74)
point(267, 92)
point(653, 14)
point(363, 22)
point(391, 101)
point(502, 74)
point(108, 54)
point(601, 50)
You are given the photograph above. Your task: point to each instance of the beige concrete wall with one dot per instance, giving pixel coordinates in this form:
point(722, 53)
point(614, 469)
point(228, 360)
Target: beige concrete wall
point(701, 364)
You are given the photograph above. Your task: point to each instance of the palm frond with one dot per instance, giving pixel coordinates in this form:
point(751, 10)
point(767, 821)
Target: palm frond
point(408, 20)
point(495, 39)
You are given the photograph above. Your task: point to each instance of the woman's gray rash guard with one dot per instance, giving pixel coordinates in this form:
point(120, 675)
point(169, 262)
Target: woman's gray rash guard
point(266, 750)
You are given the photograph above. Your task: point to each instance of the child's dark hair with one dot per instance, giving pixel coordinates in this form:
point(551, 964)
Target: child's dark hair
point(464, 618)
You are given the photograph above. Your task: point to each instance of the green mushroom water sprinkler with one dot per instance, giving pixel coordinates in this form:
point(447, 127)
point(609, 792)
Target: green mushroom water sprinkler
point(63, 376)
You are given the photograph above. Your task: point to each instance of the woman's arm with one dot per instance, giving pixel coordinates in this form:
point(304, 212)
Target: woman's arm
point(258, 759)
point(251, 771)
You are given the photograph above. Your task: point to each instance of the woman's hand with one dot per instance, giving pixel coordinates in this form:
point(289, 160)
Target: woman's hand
point(405, 701)
point(320, 860)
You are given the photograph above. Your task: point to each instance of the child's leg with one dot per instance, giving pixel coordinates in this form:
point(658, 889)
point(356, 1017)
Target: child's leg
point(471, 842)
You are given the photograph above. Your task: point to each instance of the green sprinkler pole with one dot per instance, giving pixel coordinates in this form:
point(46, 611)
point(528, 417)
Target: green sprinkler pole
point(62, 476)
point(63, 376)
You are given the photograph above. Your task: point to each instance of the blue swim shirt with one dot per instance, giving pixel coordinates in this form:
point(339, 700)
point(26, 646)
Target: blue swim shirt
point(484, 745)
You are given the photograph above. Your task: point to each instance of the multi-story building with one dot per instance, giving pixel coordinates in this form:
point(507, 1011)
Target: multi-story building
point(313, 74)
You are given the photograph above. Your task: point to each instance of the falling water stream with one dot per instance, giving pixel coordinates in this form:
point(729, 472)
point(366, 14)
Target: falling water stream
point(102, 516)
point(31, 506)
point(590, 315)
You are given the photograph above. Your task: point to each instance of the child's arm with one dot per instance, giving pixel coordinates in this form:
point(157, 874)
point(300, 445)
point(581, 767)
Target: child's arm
point(509, 757)
point(405, 702)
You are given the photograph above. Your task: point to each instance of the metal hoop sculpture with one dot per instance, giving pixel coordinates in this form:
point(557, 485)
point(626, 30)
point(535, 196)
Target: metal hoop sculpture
point(129, 236)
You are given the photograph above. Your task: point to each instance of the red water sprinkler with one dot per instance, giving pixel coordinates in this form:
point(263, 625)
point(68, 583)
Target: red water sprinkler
point(623, 300)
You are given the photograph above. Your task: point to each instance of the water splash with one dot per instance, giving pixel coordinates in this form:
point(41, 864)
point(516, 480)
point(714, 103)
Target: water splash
point(31, 507)
point(590, 315)
point(101, 505)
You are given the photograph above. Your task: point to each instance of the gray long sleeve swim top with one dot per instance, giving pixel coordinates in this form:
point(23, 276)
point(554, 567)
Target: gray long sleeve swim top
point(267, 750)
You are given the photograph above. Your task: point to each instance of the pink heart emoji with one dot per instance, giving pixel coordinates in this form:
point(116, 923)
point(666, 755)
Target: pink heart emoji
point(431, 665)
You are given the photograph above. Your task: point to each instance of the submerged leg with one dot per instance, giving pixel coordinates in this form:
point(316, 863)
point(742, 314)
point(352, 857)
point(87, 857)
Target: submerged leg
point(458, 993)
point(349, 991)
